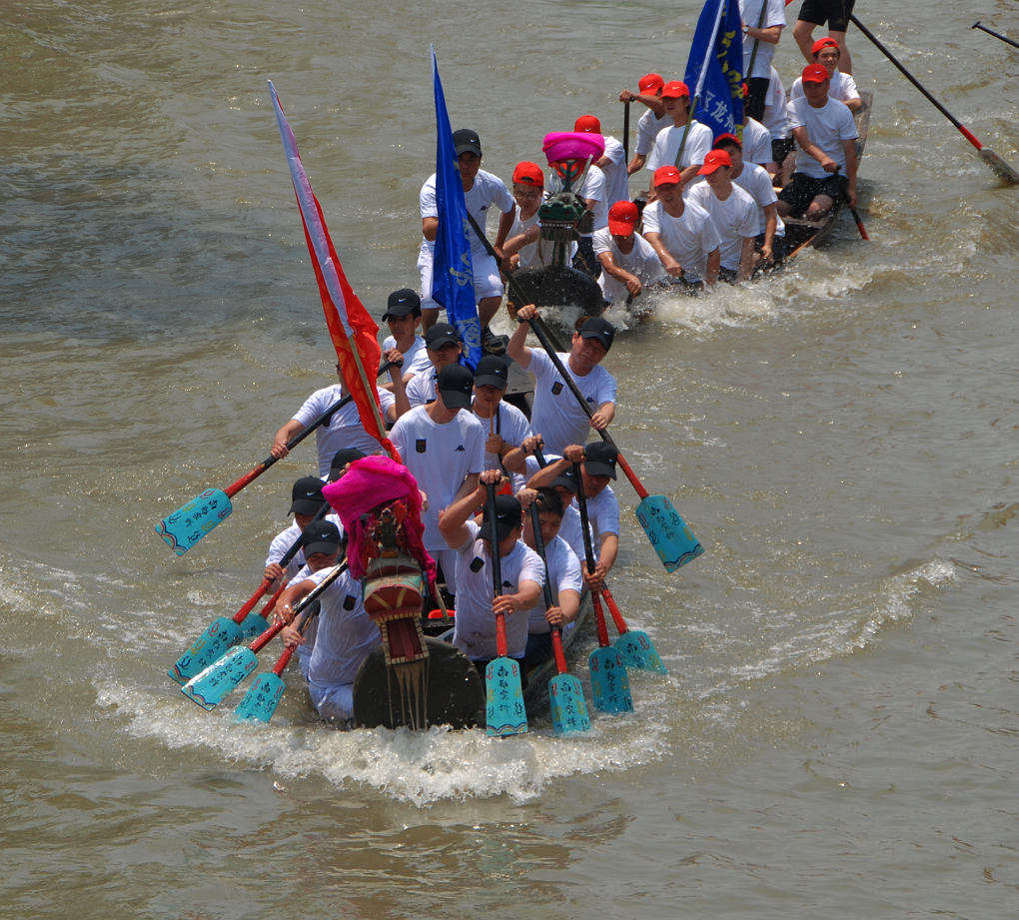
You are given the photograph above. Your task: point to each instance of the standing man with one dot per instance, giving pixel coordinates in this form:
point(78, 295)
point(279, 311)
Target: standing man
point(733, 213)
point(481, 191)
point(696, 141)
point(763, 22)
point(655, 119)
point(444, 448)
point(756, 182)
point(816, 13)
point(826, 52)
point(628, 261)
point(555, 415)
point(403, 314)
point(612, 163)
point(681, 233)
point(825, 135)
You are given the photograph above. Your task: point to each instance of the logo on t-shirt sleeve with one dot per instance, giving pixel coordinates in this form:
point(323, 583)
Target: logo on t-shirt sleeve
point(421, 445)
point(461, 449)
point(477, 564)
point(349, 601)
point(557, 388)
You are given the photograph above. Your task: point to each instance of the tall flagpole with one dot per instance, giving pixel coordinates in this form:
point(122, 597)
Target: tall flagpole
point(700, 78)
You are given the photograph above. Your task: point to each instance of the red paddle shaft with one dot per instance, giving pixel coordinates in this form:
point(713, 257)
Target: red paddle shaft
point(288, 652)
point(273, 631)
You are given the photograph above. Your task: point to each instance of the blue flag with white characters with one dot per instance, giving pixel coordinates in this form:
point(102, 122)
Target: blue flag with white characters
point(452, 272)
point(714, 69)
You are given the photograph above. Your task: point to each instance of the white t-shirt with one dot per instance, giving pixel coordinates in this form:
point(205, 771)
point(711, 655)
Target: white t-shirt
point(774, 15)
point(440, 457)
point(603, 516)
point(415, 358)
point(641, 261)
point(569, 530)
point(689, 238)
point(827, 127)
point(421, 389)
point(474, 629)
point(843, 88)
point(486, 191)
point(563, 575)
point(734, 219)
point(756, 143)
point(510, 424)
point(540, 253)
point(774, 117)
point(344, 428)
point(594, 188)
point(698, 143)
point(649, 126)
point(556, 415)
point(616, 178)
point(282, 542)
point(756, 182)
point(345, 634)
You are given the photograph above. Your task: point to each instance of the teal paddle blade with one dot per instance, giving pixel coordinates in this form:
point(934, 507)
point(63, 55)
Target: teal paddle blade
point(262, 698)
point(639, 652)
point(222, 635)
point(253, 626)
point(189, 523)
point(569, 710)
point(668, 533)
point(208, 688)
point(610, 686)
point(504, 698)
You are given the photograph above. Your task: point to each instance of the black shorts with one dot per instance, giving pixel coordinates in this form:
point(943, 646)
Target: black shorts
point(781, 148)
point(758, 90)
point(803, 189)
point(834, 12)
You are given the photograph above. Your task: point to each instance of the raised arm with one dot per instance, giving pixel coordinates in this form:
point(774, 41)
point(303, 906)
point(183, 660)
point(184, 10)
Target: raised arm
point(516, 348)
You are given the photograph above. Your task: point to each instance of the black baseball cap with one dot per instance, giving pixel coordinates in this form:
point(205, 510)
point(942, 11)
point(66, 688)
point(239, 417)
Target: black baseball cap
point(341, 458)
point(492, 371)
point(441, 334)
point(320, 537)
point(466, 141)
point(600, 329)
point(403, 302)
point(454, 384)
point(306, 496)
point(600, 459)
point(566, 480)
point(507, 517)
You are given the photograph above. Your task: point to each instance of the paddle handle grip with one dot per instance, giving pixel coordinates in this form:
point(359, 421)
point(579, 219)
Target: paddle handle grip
point(500, 619)
point(599, 616)
point(254, 599)
point(558, 651)
point(270, 605)
point(266, 637)
point(617, 617)
point(626, 136)
point(288, 652)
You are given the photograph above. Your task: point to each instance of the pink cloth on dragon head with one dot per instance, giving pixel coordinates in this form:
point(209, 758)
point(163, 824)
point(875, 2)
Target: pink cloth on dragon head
point(573, 145)
point(368, 483)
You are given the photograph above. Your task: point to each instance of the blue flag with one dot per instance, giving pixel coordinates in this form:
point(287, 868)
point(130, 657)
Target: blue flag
point(452, 272)
point(715, 68)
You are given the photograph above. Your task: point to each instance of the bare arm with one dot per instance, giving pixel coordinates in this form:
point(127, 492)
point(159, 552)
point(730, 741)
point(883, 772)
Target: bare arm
point(771, 35)
point(279, 443)
point(636, 164)
point(429, 228)
point(811, 149)
point(505, 225)
point(468, 502)
point(714, 264)
point(399, 386)
point(770, 225)
point(515, 243)
point(851, 165)
point(608, 264)
point(670, 265)
point(516, 348)
point(746, 259)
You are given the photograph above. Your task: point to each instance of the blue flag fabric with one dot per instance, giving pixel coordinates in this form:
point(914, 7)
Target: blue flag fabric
point(714, 69)
point(452, 271)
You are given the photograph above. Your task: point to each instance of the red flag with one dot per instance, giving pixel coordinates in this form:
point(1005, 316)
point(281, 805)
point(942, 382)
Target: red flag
point(353, 331)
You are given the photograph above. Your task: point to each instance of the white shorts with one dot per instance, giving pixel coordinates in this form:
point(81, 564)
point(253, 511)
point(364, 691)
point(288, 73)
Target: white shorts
point(487, 282)
point(333, 701)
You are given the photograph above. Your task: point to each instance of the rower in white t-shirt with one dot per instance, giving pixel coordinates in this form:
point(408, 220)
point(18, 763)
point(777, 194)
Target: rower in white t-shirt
point(344, 428)
point(555, 414)
point(628, 261)
point(757, 144)
point(443, 447)
point(759, 42)
point(403, 314)
point(825, 135)
point(522, 573)
point(694, 138)
point(733, 212)
point(506, 427)
point(442, 348)
point(481, 191)
point(655, 119)
point(843, 87)
point(612, 163)
point(595, 196)
point(776, 120)
point(756, 182)
point(681, 233)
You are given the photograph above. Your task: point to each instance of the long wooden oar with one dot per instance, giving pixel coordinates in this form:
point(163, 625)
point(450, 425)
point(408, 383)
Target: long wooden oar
point(666, 530)
point(189, 523)
point(504, 694)
point(208, 687)
point(1005, 39)
point(266, 690)
point(636, 647)
point(225, 632)
point(626, 136)
point(565, 694)
point(1001, 169)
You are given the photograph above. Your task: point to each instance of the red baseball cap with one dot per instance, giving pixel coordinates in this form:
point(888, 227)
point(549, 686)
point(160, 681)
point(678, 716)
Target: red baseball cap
point(731, 138)
point(587, 124)
point(714, 159)
point(815, 73)
point(822, 43)
point(529, 173)
point(675, 89)
point(623, 217)
point(667, 175)
point(650, 83)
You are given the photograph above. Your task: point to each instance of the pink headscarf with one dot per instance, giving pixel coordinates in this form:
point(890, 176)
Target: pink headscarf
point(368, 483)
